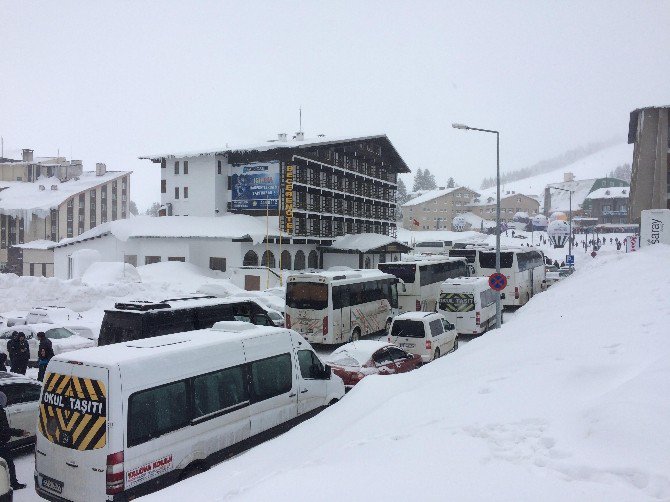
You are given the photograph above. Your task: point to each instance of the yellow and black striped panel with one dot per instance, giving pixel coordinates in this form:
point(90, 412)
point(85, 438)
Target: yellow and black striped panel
point(73, 412)
point(457, 302)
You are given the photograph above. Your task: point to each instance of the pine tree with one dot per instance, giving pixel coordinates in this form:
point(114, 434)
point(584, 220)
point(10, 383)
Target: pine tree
point(418, 181)
point(429, 182)
point(132, 207)
point(451, 183)
point(401, 196)
point(153, 209)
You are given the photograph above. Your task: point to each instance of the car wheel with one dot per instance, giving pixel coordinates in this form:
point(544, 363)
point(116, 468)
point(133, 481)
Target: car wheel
point(455, 345)
point(388, 326)
point(437, 354)
point(356, 335)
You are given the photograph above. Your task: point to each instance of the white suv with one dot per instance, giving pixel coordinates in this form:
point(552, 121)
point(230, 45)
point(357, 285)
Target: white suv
point(427, 334)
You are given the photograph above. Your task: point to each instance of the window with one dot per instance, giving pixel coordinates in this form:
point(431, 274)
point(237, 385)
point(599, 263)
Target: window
point(217, 263)
point(176, 167)
point(157, 411)
point(397, 354)
point(163, 164)
point(186, 167)
point(250, 259)
point(436, 327)
point(407, 328)
point(310, 365)
point(176, 258)
point(299, 261)
point(163, 186)
point(148, 260)
point(176, 192)
point(185, 192)
point(21, 393)
point(381, 357)
point(271, 377)
point(219, 391)
point(307, 295)
point(218, 167)
point(131, 259)
point(268, 259)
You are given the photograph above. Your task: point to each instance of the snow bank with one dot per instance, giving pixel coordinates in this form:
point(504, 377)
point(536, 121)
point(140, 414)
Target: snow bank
point(568, 401)
point(110, 273)
point(180, 276)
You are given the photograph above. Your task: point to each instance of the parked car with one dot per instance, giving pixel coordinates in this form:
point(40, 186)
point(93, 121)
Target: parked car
point(355, 360)
point(6, 492)
point(62, 339)
point(23, 399)
point(51, 314)
point(426, 334)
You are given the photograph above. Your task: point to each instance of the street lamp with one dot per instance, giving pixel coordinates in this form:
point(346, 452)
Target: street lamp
point(570, 214)
point(468, 128)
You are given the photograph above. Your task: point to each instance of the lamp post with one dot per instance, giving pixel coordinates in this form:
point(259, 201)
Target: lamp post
point(570, 192)
point(468, 128)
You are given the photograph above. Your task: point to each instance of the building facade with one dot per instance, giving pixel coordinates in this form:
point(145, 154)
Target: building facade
point(557, 195)
point(436, 209)
point(608, 205)
point(318, 188)
point(510, 204)
point(649, 131)
point(52, 199)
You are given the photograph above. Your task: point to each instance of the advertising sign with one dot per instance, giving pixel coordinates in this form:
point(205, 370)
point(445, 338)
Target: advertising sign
point(655, 227)
point(255, 185)
point(288, 200)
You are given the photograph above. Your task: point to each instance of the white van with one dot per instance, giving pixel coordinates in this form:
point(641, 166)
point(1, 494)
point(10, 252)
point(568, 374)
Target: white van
point(427, 334)
point(468, 303)
point(123, 420)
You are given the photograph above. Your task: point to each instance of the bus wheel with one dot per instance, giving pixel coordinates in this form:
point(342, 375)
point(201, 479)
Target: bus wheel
point(388, 326)
point(437, 354)
point(356, 335)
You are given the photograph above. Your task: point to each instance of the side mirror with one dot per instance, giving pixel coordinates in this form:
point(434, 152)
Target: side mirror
point(327, 371)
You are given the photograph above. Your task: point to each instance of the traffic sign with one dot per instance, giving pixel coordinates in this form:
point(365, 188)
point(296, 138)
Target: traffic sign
point(570, 259)
point(593, 254)
point(497, 282)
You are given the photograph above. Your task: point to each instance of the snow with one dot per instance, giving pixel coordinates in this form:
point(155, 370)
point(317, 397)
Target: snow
point(361, 351)
point(22, 199)
point(184, 277)
point(38, 244)
point(610, 193)
point(228, 226)
point(361, 242)
point(110, 273)
point(567, 401)
point(410, 236)
point(429, 195)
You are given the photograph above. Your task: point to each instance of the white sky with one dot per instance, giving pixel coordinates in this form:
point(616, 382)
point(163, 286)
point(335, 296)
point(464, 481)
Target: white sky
point(109, 82)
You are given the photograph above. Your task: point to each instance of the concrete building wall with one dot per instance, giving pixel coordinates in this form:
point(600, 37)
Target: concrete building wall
point(438, 212)
point(509, 205)
point(38, 262)
point(649, 131)
point(203, 185)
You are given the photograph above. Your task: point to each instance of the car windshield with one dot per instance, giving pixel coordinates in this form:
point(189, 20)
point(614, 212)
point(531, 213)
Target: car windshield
point(410, 329)
point(307, 295)
point(56, 333)
point(275, 315)
point(344, 360)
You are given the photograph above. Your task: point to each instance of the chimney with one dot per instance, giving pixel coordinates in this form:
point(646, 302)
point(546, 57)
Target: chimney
point(27, 155)
point(100, 169)
point(300, 136)
point(568, 177)
point(281, 136)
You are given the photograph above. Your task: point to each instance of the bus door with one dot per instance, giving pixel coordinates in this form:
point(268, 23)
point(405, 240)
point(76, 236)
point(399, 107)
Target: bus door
point(532, 282)
point(341, 313)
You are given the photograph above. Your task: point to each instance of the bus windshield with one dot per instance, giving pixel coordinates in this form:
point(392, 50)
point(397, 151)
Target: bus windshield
point(488, 259)
point(307, 295)
point(403, 271)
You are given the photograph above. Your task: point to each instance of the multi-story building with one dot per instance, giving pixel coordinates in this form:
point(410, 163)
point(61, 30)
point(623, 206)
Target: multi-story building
point(318, 189)
point(559, 200)
point(436, 209)
point(49, 199)
point(649, 131)
point(511, 203)
point(609, 205)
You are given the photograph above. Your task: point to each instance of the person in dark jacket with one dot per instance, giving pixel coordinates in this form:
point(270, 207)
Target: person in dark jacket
point(6, 433)
point(22, 356)
point(44, 354)
point(3, 361)
point(13, 349)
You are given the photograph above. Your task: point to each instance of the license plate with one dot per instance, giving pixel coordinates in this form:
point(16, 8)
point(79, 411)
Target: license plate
point(310, 331)
point(52, 484)
point(408, 345)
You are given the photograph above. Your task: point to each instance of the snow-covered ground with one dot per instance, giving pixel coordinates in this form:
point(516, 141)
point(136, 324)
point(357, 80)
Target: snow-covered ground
point(568, 401)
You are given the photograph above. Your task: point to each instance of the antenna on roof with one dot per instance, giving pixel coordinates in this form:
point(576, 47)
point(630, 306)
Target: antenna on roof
point(300, 111)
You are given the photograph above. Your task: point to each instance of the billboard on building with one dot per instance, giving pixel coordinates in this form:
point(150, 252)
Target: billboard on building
point(255, 185)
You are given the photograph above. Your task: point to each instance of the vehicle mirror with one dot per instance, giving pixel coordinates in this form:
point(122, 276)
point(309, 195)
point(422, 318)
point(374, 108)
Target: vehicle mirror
point(327, 371)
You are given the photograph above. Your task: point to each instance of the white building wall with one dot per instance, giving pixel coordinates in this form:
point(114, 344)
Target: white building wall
point(201, 181)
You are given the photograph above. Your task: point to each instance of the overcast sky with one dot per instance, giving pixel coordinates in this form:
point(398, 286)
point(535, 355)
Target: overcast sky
point(109, 83)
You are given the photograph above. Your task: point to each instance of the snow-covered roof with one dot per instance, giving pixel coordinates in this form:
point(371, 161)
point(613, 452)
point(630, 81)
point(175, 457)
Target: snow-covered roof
point(610, 193)
point(38, 244)
point(362, 242)
point(22, 198)
point(433, 194)
point(228, 226)
point(361, 350)
point(274, 145)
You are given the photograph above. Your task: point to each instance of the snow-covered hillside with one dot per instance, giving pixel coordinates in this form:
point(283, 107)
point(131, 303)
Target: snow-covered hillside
point(568, 401)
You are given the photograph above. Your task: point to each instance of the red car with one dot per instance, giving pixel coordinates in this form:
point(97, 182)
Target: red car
point(353, 361)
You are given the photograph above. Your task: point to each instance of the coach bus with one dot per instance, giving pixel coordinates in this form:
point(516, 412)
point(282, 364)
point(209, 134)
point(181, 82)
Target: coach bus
point(339, 306)
point(421, 280)
point(524, 270)
point(471, 254)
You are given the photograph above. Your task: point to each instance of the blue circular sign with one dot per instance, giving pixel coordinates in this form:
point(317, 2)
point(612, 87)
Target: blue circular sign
point(497, 281)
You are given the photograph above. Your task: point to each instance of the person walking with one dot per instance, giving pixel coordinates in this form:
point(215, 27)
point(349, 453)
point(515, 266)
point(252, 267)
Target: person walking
point(6, 433)
point(3, 361)
point(22, 356)
point(13, 349)
point(44, 354)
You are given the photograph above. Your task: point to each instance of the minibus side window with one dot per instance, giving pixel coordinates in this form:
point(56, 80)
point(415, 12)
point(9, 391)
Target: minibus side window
point(157, 411)
point(310, 366)
point(219, 390)
point(271, 377)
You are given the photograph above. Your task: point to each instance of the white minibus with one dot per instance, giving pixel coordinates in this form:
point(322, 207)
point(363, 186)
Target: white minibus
point(524, 270)
point(421, 280)
point(119, 421)
point(340, 306)
point(433, 247)
point(468, 303)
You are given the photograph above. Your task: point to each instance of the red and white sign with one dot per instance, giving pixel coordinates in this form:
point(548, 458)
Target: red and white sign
point(148, 471)
point(632, 243)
